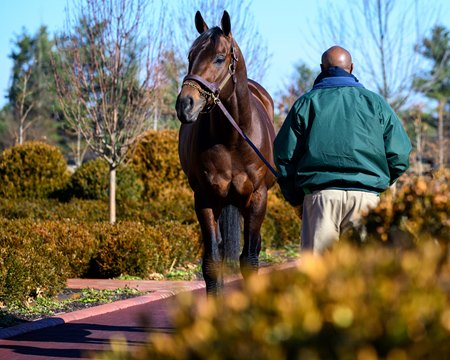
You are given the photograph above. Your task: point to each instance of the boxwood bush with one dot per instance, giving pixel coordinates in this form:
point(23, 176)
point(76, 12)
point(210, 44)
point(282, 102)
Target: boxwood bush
point(37, 257)
point(30, 264)
point(32, 170)
point(91, 181)
point(155, 159)
point(135, 249)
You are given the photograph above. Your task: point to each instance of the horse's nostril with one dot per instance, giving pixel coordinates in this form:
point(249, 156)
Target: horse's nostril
point(187, 103)
point(184, 107)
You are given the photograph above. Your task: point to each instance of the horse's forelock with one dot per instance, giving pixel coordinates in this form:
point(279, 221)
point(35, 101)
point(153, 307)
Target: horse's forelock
point(212, 34)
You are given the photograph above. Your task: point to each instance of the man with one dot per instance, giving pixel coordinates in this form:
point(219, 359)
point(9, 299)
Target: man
point(340, 146)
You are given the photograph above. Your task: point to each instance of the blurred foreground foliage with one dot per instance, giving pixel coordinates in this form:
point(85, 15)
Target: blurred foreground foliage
point(387, 298)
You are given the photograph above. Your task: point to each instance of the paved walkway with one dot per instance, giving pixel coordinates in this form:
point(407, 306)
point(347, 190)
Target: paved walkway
point(79, 334)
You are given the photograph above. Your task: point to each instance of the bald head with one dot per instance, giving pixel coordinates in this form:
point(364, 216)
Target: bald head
point(337, 56)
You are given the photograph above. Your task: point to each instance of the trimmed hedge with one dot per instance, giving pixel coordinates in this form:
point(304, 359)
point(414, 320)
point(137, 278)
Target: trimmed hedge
point(31, 262)
point(52, 209)
point(37, 257)
point(135, 249)
point(32, 170)
point(281, 226)
point(155, 159)
point(91, 181)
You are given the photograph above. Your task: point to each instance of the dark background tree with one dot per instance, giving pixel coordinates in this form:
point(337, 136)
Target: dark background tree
point(435, 82)
point(169, 72)
point(381, 35)
point(301, 82)
point(31, 97)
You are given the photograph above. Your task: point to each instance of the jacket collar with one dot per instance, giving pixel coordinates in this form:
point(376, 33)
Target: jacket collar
point(335, 77)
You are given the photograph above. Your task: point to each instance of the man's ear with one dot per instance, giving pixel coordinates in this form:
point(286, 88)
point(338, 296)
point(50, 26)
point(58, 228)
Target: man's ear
point(200, 24)
point(351, 68)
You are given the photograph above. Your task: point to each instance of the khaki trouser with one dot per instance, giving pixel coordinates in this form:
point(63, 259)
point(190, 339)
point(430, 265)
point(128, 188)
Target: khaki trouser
point(329, 213)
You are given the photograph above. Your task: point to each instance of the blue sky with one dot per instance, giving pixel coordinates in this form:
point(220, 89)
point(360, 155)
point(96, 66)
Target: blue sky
point(282, 23)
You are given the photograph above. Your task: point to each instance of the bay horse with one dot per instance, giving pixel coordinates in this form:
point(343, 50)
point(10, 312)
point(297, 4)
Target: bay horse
point(227, 176)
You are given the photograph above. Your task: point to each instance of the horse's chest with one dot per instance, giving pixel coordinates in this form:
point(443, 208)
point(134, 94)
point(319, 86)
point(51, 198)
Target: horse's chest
point(224, 175)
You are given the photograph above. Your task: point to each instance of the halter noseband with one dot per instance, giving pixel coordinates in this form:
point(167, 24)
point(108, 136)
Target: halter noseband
point(211, 91)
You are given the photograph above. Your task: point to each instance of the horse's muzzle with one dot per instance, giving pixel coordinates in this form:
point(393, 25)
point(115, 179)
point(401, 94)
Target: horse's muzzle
point(188, 109)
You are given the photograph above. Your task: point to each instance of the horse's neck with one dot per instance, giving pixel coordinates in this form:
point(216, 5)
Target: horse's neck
point(239, 107)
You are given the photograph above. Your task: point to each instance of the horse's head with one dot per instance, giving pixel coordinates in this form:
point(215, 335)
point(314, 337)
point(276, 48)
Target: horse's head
point(211, 73)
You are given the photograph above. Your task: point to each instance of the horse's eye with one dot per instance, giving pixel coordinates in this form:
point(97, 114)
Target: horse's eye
point(219, 59)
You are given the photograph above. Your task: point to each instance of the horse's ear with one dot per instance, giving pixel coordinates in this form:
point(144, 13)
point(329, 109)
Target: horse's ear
point(226, 23)
point(200, 23)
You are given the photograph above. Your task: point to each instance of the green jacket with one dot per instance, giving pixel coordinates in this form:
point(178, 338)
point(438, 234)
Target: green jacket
point(342, 137)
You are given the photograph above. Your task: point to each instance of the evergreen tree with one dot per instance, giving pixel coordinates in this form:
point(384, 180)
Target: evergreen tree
point(32, 96)
point(435, 84)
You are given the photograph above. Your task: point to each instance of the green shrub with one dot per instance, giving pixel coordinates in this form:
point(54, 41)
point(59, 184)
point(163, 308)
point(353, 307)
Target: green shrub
point(30, 265)
point(281, 226)
point(156, 160)
point(134, 249)
point(52, 209)
point(171, 205)
point(175, 244)
point(37, 257)
point(122, 250)
point(76, 243)
point(32, 170)
point(91, 181)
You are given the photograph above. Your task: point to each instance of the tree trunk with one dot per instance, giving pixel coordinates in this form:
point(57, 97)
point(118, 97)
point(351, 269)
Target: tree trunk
point(418, 128)
point(112, 195)
point(20, 140)
point(441, 142)
point(155, 119)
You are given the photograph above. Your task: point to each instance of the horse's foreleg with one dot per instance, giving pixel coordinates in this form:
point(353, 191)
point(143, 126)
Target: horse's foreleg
point(253, 218)
point(213, 251)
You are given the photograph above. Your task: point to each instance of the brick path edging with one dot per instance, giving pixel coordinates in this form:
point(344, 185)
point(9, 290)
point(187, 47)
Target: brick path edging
point(93, 311)
point(160, 290)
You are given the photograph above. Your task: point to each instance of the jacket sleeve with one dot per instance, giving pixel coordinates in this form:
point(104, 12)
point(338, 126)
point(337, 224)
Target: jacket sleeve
point(286, 155)
point(397, 146)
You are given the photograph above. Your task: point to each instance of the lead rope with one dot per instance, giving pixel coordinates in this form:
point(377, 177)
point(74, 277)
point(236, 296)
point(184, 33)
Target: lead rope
point(246, 138)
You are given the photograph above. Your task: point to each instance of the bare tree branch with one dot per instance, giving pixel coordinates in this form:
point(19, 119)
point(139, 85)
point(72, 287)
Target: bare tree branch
point(106, 75)
point(381, 35)
point(244, 30)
